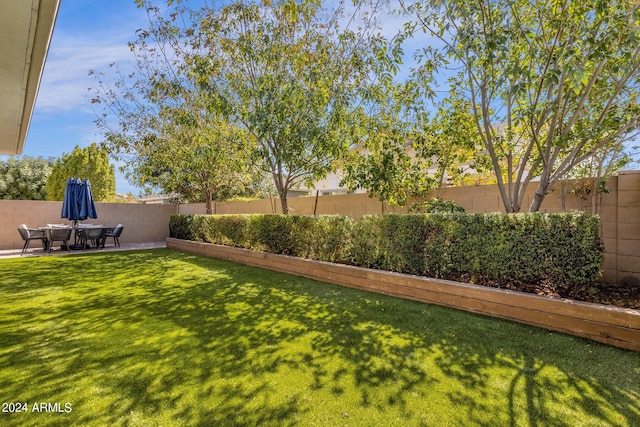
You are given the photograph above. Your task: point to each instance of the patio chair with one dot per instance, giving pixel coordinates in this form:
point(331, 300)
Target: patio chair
point(59, 235)
point(29, 234)
point(115, 233)
point(93, 235)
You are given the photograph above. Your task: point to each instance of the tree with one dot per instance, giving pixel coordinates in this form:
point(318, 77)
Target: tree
point(24, 178)
point(452, 142)
point(187, 151)
point(550, 83)
point(289, 75)
point(90, 163)
point(403, 153)
point(173, 132)
point(386, 160)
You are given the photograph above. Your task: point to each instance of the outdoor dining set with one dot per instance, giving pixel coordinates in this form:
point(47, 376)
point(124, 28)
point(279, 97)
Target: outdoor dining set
point(84, 236)
point(77, 205)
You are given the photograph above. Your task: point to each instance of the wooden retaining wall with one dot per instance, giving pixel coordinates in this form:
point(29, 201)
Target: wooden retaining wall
point(606, 324)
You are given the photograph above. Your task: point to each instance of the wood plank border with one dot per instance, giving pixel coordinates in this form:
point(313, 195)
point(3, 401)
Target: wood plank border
point(611, 325)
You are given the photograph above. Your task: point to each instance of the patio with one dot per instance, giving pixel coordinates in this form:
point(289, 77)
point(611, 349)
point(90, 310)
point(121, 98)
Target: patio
point(38, 251)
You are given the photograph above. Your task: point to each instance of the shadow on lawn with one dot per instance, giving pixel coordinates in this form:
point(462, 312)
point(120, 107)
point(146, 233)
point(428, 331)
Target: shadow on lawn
point(175, 338)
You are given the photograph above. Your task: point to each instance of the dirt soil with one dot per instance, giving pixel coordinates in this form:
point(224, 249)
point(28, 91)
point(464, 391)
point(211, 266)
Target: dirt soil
point(602, 293)
point(597, 293)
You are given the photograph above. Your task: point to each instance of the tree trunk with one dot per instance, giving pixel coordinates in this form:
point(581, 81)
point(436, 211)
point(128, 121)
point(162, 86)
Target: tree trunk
point(509, 201)
point(272, 203)
point(282, 188)
point(442, 172)
point(208, 210)
point(539, 195)
point(315, 206)
point(564, 189)
point(536, 202)
point(284, 204)
point(282, 193)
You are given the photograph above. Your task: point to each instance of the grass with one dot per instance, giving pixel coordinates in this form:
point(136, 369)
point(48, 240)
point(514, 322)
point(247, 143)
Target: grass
point(161, 337)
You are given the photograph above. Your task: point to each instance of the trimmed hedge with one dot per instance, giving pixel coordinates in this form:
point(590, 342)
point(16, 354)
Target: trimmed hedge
point(323, 237)
point(561, 250)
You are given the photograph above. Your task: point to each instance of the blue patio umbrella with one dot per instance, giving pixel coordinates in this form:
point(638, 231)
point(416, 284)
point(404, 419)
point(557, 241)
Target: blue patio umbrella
point(87, 207)
point(77, 204)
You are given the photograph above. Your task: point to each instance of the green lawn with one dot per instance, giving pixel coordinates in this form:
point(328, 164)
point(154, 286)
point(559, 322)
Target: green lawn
point(161, 337)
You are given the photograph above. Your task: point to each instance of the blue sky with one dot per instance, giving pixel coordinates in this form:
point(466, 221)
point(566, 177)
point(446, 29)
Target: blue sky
point(88, 35)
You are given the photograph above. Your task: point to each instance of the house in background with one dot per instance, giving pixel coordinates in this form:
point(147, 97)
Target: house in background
point(157, 199)
point(26, 27)
point(329, 186)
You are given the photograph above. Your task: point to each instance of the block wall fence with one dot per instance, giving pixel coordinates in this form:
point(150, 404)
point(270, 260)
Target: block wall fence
point(620, 216)
point(142, 223)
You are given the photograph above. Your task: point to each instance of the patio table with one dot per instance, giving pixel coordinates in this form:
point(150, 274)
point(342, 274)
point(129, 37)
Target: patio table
point(104, 228)
point(78, 229)
point(47, 232)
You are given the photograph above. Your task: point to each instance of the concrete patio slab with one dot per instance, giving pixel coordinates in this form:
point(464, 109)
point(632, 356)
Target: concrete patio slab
point(16, 253)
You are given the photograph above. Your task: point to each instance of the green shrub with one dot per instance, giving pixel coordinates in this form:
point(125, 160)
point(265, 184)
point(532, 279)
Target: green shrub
point(439, 242)
point(314, 237)
point(274, 233)
point(321, 237)
point(403, 243)
point(200, 228)
point(230, 230)
point(333, 237)
point(560, 250)
point(411, 244)
point(180, 226)
point(365, 249)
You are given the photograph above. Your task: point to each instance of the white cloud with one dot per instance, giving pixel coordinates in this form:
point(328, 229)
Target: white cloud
point(88, 35)
point(65, 81)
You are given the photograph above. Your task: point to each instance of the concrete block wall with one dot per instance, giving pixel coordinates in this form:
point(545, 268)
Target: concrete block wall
point(619, 213)
point(142, 223)
point(480, 198)
point(355, 205)
point(628, 228)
